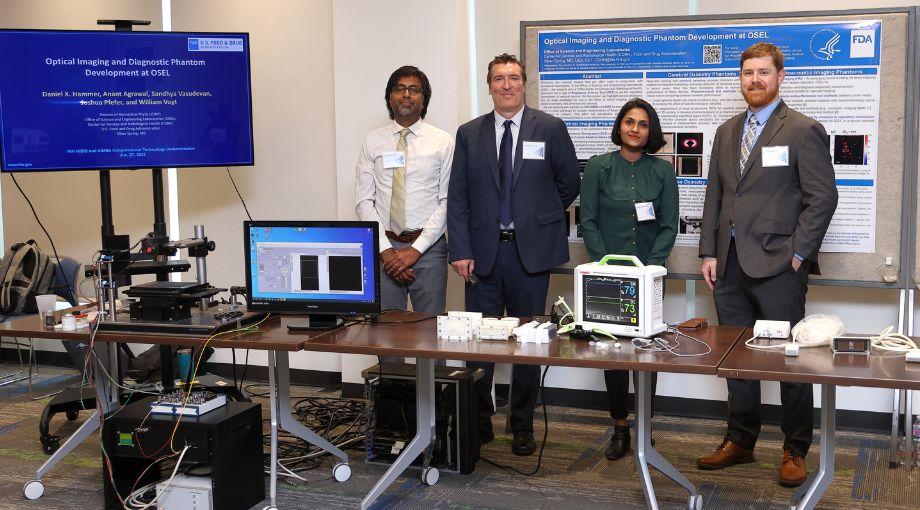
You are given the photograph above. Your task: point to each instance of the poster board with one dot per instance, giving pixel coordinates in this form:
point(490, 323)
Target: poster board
point(849, 70)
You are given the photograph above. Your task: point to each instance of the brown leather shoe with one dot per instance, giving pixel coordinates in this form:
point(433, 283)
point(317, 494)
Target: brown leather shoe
point(727, 454)
point(792, 473)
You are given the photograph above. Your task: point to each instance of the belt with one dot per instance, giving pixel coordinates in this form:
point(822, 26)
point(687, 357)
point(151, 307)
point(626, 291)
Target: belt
point(407, 236)
point(505, 234)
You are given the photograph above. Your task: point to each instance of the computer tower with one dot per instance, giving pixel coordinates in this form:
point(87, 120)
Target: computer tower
point(227, 442)
point(391, 392)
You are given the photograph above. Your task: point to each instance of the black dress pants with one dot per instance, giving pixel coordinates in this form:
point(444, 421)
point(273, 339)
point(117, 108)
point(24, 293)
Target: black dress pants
point(617, 382)
point(509, 288)
point(740, 300)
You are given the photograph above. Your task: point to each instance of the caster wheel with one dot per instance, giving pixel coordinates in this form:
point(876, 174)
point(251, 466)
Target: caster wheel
point(341, 472)
point(50, 444)
point(72, 415)
point(33, 489)
point(696, 502)
point(430, 476)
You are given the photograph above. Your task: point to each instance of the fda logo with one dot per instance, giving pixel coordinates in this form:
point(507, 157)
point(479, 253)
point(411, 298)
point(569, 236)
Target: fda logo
point(862, 43)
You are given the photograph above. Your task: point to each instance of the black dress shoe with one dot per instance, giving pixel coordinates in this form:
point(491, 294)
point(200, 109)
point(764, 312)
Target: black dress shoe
point(486, 436)
point(523, 443)
point(619, 443)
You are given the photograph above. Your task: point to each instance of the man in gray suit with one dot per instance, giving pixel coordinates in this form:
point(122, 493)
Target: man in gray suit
point(769, 201)
point(514, 174)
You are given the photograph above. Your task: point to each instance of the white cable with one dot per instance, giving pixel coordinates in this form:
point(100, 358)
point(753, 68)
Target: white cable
point(667, 346)
point(895, 342)
point(750, 343)
point(139, 492)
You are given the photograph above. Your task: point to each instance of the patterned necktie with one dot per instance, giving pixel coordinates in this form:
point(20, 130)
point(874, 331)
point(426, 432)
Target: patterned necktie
point(398, 198)
point(504, 174)
point(747, 143)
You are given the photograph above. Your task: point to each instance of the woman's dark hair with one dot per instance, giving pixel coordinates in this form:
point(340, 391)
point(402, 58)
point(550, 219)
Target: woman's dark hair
point(655, 137)
point(401, 73)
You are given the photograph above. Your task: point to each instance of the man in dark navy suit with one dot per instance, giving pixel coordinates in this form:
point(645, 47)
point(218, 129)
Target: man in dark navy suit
point(513, 176)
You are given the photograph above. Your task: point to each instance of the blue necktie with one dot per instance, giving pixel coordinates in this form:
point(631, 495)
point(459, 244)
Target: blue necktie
point(504, 172)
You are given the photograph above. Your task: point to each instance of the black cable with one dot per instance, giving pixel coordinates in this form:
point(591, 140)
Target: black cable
point(425, 317)
point(343, 422)
point(238, 193)
point(233, 351)
point(245, 369)
point(53, 248)
point(542, 444)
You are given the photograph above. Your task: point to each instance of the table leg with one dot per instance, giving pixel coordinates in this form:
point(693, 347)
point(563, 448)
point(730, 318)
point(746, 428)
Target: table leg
point(647, 455)
point(895, 430)
point(286, 418)
point(273, 413)
point(105, 401)
point(424, 433)
point(908, 429)
point(808, 495)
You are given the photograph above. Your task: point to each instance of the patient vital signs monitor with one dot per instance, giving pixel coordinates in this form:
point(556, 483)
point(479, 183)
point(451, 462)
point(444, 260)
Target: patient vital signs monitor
point(626, 300)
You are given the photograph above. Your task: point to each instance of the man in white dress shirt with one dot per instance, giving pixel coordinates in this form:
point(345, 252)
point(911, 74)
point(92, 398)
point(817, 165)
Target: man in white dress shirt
point(402, 178)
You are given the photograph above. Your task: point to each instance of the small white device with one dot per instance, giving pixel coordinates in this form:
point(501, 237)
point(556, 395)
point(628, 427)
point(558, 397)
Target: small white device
point(623, 300)
point(185, 493)
point(792, 349)
point(771, 329)
point(535, 332)
point(455, 328)
point(497, 329)
point(913, 356)
point(474, 317)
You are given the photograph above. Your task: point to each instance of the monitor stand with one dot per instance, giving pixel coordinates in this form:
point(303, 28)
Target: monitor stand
point(317, 322)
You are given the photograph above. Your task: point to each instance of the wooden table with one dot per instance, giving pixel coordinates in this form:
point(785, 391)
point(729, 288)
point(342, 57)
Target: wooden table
point(819, 365)
point(270, 337)
point(402, 334)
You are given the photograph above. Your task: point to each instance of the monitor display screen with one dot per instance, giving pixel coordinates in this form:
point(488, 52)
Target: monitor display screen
point(611, 299)
point(78, 100)
point(313, 267)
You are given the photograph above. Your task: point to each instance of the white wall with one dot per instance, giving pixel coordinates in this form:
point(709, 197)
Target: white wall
point(428, 35)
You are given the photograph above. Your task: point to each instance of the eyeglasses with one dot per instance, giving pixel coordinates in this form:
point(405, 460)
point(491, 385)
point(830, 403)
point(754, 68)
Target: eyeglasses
point(413, 90)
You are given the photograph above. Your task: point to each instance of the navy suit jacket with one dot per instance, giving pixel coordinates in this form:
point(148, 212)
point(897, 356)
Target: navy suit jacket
point(542, 191)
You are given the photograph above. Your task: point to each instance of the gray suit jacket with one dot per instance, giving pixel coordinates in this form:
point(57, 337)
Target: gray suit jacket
point(775, 211)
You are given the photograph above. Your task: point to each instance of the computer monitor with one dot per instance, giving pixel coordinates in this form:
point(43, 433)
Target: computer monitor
point(326, 269)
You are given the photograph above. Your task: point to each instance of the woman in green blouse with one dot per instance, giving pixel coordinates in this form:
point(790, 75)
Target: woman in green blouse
point(612, 186)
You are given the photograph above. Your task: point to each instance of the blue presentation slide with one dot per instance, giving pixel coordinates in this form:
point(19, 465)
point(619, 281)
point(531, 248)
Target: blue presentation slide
point(72, 100)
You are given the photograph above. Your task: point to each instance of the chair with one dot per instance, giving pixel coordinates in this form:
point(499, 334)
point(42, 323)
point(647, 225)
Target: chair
point(66, 276)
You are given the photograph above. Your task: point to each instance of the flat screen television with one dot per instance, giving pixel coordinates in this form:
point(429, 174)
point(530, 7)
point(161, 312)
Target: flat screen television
point(326, 269)
point(86, 100)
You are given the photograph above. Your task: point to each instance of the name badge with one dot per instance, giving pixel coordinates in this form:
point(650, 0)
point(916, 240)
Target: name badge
point(394, 159)
point(775, 156)
point(534, 150)
point(645, 211)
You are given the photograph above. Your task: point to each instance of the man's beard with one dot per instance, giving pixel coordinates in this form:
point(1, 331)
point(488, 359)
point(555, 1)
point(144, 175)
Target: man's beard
point(405, 110)
point(759, 98)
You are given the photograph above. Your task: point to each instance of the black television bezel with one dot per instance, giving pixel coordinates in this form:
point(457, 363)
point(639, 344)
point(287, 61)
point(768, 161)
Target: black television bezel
point(252, 149)
point(321, 307)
